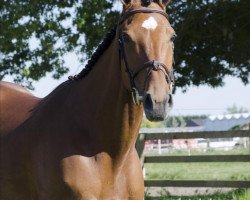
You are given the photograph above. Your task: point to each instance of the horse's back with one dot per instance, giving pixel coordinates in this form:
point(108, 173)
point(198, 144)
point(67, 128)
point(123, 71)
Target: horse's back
point(16, 104)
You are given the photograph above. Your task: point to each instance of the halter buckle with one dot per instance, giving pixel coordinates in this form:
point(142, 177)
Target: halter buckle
point(156, 65)
point(136, 97)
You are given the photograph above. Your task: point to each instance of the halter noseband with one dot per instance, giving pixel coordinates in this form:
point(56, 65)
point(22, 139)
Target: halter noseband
point(150, 65)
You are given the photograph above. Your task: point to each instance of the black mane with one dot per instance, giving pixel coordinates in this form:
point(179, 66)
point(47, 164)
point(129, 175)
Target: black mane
point(96, 55)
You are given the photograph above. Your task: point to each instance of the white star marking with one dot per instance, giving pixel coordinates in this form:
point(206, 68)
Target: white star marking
point(150, 23)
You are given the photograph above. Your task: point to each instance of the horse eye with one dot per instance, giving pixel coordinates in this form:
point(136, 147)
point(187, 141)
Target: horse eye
point(173, 37)
point(126, 38)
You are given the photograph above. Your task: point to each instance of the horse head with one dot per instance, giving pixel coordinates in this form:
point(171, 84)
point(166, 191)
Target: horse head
point(146, 48)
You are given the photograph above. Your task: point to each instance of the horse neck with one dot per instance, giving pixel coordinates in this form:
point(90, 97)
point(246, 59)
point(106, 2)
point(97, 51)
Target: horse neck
point(103, 106)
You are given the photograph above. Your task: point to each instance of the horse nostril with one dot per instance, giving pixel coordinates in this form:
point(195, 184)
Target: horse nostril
point(148, 103)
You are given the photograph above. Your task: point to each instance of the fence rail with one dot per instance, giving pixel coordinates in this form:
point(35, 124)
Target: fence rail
point(197, 183)
point(191, 135)
point(181, 159)
point(213, 158)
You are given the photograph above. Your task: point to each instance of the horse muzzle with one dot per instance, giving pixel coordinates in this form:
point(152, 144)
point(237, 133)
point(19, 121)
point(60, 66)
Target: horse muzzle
point(157, 111)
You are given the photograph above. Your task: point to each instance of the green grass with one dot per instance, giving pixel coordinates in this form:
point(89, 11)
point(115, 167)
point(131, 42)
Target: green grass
point(200, 171)
point(235, 195)
point(184, 152)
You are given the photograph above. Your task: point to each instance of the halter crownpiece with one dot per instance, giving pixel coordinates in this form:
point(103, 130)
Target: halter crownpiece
point(141, 10)
point(150, 65)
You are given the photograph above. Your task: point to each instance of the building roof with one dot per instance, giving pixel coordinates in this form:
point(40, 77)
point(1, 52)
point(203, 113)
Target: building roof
point(195, 122)
point(226, 122)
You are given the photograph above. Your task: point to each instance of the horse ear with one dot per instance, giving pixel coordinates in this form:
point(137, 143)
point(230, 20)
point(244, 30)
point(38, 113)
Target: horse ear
point(165, 2)
point(125, 2)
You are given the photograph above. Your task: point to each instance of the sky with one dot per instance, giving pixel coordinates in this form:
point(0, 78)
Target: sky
point(196, 101)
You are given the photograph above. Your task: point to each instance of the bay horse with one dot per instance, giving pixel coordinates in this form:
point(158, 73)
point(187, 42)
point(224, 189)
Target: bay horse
point(79, 141)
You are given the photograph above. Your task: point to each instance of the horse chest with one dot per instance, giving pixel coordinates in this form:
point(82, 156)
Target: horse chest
point(89, 180)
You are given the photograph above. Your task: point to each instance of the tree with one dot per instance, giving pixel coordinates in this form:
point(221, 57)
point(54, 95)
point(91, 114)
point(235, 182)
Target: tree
point(176, 121)
point(148, 124)
point(234, 109)
point(212, 37)
point(213, 41)
point(172, 121)
point(57, 27)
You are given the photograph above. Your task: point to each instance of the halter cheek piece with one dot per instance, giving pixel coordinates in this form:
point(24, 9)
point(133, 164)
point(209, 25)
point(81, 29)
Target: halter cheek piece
point(149, 66)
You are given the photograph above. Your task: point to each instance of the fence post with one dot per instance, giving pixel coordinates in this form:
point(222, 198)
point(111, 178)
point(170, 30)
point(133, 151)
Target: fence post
point(249, 137)
point(140, 147)
point(159, 146)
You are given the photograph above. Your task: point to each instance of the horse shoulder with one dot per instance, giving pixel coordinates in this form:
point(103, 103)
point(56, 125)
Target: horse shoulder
point(16, 104)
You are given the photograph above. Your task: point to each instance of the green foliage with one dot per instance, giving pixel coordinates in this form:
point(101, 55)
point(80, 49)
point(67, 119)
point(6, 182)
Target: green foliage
point(172, 121)
point(213, 41)
point(176, 121)
point(181, 121)
point(55, 28)
point(244, 195)
point(234, 109)
point(148, 124)
point(213, 37)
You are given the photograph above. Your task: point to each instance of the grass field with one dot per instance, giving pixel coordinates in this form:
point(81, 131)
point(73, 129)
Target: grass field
point(183, 152)
point(235, 195)
point(200, 171)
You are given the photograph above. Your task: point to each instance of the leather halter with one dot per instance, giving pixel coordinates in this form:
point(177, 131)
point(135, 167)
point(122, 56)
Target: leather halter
point(150, 65)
